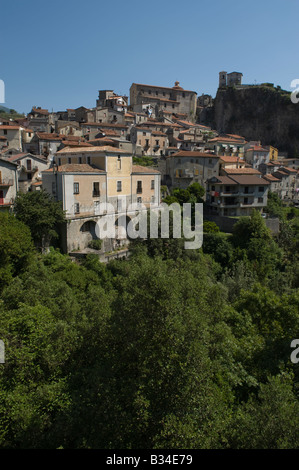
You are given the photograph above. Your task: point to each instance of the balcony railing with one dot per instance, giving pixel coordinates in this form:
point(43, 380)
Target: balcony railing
point(96, 194)
point(6, 203)
point(29, 170)
point(6, 182)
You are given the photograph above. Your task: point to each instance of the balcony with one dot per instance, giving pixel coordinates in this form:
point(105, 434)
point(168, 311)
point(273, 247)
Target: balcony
point(229, 193)
point(5, 183)
point(246, 204)
point(96, 194)
point(8, 203)
point(29, 170)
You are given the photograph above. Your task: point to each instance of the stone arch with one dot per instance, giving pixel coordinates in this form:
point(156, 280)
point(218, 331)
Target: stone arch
point(88, 232)
point(122, 221)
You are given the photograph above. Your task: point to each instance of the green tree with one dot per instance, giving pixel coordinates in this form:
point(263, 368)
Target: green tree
point(41, 213)
point(16, 247)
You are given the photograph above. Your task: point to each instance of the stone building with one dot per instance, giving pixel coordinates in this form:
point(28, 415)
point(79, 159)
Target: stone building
point(230, 79)
point(151, 141)
point(236, 195)
point(184, 168)
point(174, 100)
point(83, 178)
point(13, 136)
point(29, 168)
point(8, 183)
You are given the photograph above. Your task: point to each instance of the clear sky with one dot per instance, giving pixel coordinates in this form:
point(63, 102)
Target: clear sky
point(57, 54)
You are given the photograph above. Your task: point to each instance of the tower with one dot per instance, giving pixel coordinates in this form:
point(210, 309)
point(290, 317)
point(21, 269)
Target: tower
point(222, 79)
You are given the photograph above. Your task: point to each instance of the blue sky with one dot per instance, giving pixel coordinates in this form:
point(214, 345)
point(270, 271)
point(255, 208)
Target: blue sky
point(57, 54)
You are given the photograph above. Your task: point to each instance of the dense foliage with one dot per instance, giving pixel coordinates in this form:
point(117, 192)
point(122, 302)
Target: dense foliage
point(172, 348)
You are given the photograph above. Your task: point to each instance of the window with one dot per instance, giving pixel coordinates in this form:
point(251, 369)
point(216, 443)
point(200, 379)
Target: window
point(139, 187)
point(28, 165)
point(119, 163)
point(260, 200)
point(29, 176)
point(118, 186)
point(88, 160)
point(153, 184)
point(261, 189)
point(76, 188)
point(59, 161)
point(183, 95)
point(96, 189)
point(53, 188)
point(144, 133)
point(77, 208)
point(139, 200)
point(80, 160)
point(157, 142)
point(5, 132)
point(153, 199)
point(69, 160)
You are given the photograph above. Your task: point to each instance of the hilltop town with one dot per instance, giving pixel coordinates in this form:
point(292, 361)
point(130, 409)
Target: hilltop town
point(134, 146)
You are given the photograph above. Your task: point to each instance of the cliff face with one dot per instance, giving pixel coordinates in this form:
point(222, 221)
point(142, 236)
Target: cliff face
point(258, 113)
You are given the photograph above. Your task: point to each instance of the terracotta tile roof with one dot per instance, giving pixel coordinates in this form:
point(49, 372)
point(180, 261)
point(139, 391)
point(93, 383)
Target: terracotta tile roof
point(224, 180)
point(49, 136)
point(10, 128)
point(110, 132)
point(289, 170)
point(229, 159)
point(249, 180)
point(161, 124)
point(76, 168)
point(270, 178)
point(39, 111)
point(19, 156)
point(242, 171)
point(235, 136)
point(104, 124)
point(195, 154)
point(225, 139)
point(3, 138)
point(74, 138)
point(71, 143)
point(144, 169)
point(101, 139)
point(105, 148)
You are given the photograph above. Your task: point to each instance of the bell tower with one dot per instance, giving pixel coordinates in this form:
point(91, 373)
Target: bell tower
point(222, 79)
